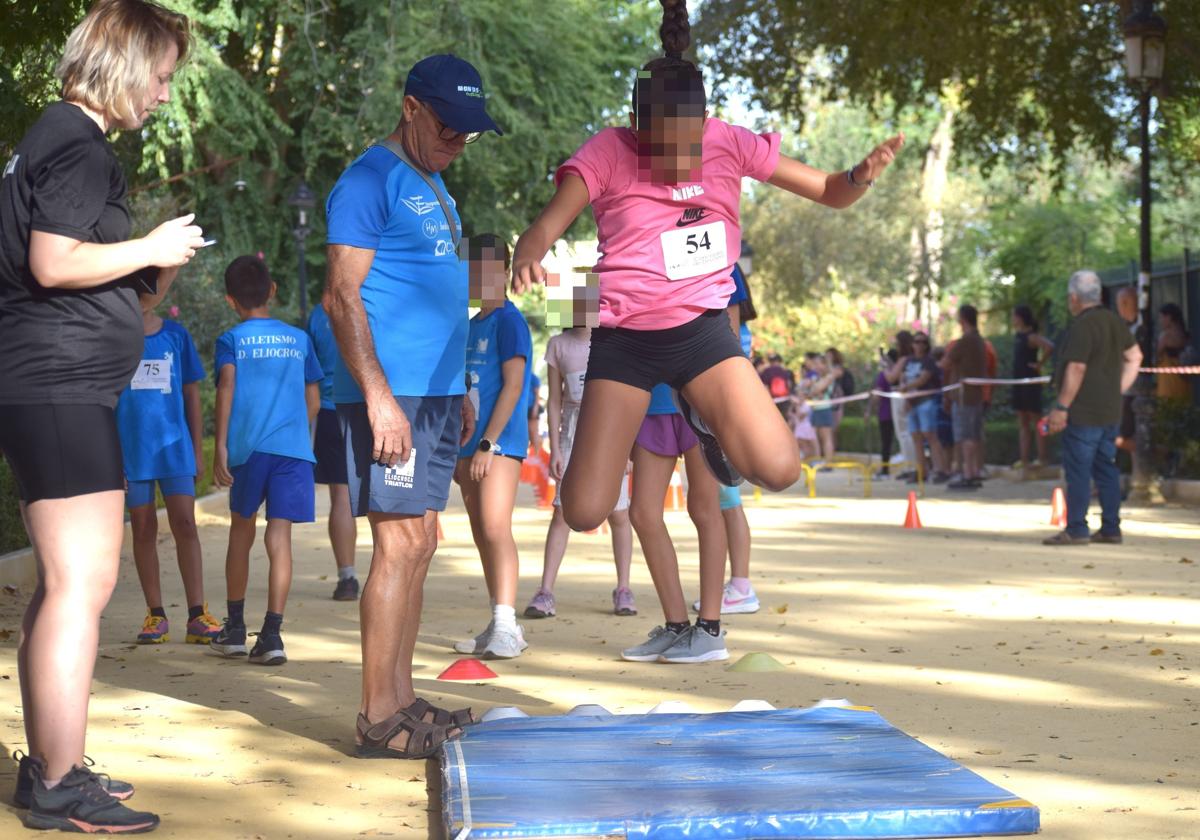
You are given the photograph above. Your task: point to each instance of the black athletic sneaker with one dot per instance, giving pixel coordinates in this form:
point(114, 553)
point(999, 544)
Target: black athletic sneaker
point(268, 650)
point(721, 469)
point(346, 589)
point(80, 803)
point(231, 641)
point(21, 796)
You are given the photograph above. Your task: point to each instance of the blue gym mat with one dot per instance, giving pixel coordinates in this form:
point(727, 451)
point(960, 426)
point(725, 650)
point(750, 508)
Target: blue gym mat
point(841, 772)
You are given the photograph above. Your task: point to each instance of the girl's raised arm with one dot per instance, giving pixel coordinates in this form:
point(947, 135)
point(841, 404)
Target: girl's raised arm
point(551, 223)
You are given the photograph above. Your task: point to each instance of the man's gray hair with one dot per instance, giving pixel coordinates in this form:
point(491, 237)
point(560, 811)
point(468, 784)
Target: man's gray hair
point(1085, 285)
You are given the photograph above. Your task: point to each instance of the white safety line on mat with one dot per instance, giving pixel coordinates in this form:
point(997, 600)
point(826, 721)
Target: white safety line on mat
point(466, 793)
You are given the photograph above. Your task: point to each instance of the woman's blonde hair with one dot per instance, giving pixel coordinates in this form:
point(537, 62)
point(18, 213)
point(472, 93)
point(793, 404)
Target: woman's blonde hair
point(110, 56)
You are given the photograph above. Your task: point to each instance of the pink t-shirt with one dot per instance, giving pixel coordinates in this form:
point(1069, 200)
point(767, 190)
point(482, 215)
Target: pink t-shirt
point(667, 250)
point(568, 354)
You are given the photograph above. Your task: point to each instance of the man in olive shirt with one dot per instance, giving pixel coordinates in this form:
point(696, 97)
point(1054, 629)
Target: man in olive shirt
point(1099, 361)
point(967, 359)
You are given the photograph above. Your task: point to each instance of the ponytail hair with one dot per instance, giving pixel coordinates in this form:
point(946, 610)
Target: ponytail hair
point(671, 83)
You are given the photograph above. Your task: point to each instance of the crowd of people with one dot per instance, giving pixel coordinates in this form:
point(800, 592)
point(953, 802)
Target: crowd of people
point(393, 393)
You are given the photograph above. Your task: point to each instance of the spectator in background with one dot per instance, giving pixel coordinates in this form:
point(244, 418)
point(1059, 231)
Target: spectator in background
point(779, 381)
point(1099, 361)
point(1173, 342)
point(881, 408)
point(1127, 308)
point(903, 347)
point(843, 386)
point(967, 359)
point(1031, 351)
point(820, 390)
point(919, 374)
point(945, 424)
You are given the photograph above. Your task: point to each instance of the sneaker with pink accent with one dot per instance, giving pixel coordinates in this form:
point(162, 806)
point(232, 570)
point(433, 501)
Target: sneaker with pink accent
point(541, 605)
point(734, 601)
point(623, 601)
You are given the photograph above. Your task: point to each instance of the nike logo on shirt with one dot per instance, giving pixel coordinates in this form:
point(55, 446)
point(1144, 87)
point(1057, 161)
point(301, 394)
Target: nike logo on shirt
point(691, 216)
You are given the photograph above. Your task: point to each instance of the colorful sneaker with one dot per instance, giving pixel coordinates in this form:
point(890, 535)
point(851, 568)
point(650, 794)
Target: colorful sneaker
point(505, 644)
point(24, 793)
point(80, 803)
point(541, 605)
point(714, 456)
point(346, 589)
point(475, 646)
point(268, 650)
point(202, 629)
point(623, 601)
point(231, 641)
point(659, 639)
point(155, 631)
point(733, 602)
point(695, 645)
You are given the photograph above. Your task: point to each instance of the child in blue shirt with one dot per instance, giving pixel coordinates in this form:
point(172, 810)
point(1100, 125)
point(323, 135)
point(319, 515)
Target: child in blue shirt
point(158, 419)
point(268, 394)
point(489, 466)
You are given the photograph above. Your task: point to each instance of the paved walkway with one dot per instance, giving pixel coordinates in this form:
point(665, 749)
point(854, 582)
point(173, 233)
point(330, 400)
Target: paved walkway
point(1065, 675)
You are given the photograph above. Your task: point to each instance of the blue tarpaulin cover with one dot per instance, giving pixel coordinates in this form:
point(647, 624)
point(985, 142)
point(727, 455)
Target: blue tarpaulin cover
point(816, 773)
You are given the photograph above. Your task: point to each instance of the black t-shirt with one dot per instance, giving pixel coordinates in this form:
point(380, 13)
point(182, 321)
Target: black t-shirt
point(65, 347)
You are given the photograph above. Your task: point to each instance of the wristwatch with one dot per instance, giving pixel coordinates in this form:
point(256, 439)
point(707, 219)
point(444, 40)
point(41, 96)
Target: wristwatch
point(486, 445)
point(1060, 407)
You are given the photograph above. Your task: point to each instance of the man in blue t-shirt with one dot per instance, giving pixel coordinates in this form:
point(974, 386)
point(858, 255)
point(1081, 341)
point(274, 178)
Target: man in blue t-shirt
point(397, 299)
point(268, 393)
point(329, 447)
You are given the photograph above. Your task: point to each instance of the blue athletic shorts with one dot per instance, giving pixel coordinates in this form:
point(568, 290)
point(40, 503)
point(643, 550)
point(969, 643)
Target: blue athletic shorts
point(286, 484)
point(923, 417)
point(418, 485)
point(821, 418)
point(730, 497)
point(330, 449)
point(142, 492)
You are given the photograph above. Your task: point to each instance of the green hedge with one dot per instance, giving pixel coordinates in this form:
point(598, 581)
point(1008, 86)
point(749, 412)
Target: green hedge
point(12, 529)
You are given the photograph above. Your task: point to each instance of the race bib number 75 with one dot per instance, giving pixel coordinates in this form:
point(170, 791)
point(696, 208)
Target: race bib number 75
point(694, 251)
point(152, 375)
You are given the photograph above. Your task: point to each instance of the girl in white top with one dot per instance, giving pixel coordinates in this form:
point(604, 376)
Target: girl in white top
point(566, 365)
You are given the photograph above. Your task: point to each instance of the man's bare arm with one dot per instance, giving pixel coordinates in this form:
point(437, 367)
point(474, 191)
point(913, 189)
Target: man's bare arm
point(346, 273)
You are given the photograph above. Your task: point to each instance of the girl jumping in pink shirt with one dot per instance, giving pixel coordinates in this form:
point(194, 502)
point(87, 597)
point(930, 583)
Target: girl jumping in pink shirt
point(665, 193)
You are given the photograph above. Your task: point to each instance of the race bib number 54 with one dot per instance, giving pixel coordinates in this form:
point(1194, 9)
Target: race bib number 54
point(694, 251)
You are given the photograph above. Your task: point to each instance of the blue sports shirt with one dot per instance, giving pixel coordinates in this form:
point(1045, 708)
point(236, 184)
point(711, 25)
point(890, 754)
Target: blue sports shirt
point(321, 334)
point(273, 362)
point(492, 341)
point(156, 441)
point(415, 292)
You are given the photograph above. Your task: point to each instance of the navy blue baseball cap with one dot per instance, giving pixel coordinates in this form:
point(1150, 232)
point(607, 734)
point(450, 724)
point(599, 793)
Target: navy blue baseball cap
point(453, 89)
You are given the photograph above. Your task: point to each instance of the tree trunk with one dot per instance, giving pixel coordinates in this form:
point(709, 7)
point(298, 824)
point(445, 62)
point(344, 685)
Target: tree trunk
point(925, 276)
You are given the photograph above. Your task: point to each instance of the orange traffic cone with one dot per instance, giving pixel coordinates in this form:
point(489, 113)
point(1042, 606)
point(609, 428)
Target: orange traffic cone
point(912, 519)
point(674, 499)
point(1058, 509)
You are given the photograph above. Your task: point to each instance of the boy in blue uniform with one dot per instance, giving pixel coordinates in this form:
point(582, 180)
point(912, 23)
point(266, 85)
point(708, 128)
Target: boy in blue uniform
point(158, 418)
point(267, 395)
point(329, 447)
point(489, 466)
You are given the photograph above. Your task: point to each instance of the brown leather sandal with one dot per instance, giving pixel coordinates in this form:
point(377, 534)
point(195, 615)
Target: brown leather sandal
point(424, 739)
point(425, 711)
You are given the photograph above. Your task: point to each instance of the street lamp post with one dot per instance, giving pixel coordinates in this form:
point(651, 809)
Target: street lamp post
point(1145, 49)
point(303, 200)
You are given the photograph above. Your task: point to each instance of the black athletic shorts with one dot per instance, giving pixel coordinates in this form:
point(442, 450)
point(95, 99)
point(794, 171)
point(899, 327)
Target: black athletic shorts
point(329, 447)
point(60, 451)
point(676, 356)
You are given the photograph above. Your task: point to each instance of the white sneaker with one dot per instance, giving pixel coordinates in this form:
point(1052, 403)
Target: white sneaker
point(504, 643)
point(475, 646)
point(734, 602)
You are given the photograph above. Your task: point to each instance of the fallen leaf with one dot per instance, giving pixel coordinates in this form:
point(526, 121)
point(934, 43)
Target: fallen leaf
point(1157, 652)
point(1181, 560)
point(987, 752)
point(781, 609)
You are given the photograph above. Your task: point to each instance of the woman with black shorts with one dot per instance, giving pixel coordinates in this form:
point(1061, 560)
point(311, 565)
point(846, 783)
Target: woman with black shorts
point(1031, 350)
point(71, 338)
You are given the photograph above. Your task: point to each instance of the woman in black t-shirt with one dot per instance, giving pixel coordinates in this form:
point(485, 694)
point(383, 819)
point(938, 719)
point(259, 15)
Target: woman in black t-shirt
point(71, 338)
point(1031, 350)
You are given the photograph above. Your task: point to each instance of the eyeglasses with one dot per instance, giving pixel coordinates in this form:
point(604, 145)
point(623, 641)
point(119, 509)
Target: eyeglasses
point(449, 135)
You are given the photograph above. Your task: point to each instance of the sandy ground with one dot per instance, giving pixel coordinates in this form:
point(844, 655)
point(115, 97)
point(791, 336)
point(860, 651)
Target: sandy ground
point(1065, 675)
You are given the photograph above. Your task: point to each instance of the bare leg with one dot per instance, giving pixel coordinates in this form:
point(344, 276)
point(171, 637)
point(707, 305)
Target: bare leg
point(938, 452)
point(278, 540)
point(651, 477)
point(78, 543)
point(1023, 437)
point(237, 555)
point(399, 564)
point(472, 502)
point(622, 544)
point(737, 532)
point(704, 507)
point(825, 435)
point(491, 521)
point(181, 516)
point(556, 546)
point(343, 532)
point(756, 439)
point(143, 521)
point(922, 460)
point(970, 459)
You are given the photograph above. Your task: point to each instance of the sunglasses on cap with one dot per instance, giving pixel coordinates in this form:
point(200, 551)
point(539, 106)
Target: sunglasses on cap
point(447, 134)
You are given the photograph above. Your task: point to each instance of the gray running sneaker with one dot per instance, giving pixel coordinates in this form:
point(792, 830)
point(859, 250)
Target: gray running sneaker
point(695, 645)
point(660, 639)
point(505, 644)
point(475, 646)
